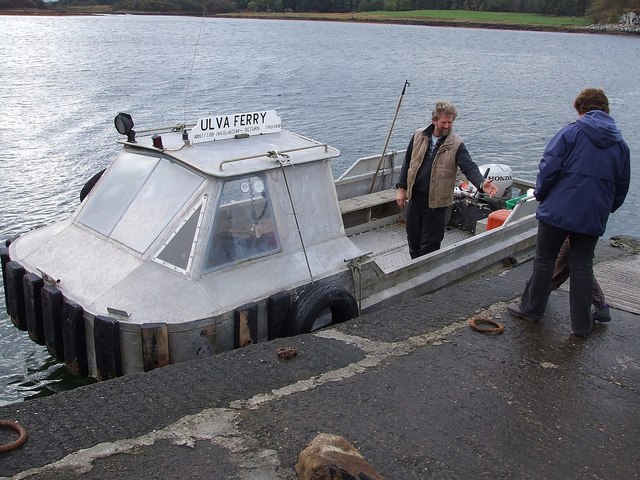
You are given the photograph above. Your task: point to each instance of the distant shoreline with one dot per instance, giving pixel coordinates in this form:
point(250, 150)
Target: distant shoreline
point(613, 29)
point(609, 29)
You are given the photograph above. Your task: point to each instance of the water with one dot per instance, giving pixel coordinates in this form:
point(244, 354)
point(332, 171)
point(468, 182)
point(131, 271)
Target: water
point(64, 78)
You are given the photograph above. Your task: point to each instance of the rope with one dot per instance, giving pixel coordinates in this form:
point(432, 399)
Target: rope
point(356, 269)
point(22, 432)
point(193, 61)
point(286, 162)
point(497, 327)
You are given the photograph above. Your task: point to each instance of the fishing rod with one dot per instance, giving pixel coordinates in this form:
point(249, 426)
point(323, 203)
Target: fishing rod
point(386, 143)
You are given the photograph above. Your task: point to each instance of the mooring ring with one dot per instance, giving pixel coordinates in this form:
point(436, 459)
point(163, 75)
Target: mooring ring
point(497, 327)
point(22, 432)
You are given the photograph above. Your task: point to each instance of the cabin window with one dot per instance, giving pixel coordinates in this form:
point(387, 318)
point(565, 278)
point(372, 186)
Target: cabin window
point(137, 198)
point(177, 253)
point(244, 227)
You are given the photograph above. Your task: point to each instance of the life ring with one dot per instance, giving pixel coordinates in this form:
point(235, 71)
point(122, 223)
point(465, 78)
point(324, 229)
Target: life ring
point(312, 309)
point(496, 327)
point(89, 185)
point(22, 432)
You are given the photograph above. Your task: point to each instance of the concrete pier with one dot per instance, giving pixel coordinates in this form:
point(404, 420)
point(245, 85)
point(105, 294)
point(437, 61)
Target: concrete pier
point(418, 392)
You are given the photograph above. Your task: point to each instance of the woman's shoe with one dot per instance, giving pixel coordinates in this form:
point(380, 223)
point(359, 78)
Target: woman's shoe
point(601, 314)
point(580, 334)
point(514, 309)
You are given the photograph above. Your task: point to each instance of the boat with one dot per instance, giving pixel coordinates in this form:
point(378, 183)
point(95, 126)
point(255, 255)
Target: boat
point(205, 237)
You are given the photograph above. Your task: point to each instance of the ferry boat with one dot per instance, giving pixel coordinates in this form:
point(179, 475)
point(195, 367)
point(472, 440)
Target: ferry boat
point(211, 236)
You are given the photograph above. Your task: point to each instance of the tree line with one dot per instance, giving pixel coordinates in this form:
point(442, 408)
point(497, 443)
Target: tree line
point(22, 4)
point(598, 10)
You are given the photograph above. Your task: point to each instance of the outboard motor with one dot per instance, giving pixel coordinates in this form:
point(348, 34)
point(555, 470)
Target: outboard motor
point(500, 174)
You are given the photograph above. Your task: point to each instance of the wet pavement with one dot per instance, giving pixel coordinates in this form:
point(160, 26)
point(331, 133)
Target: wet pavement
point(417, 391)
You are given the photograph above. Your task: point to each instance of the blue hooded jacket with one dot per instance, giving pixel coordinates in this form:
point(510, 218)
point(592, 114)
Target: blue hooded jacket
point(584, 175)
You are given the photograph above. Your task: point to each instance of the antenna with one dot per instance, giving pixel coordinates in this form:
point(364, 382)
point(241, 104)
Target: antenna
point(193, 60)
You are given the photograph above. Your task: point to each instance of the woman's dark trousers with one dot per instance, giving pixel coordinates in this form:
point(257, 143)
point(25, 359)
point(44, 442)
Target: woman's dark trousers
point(561, 274)
point(536, 293)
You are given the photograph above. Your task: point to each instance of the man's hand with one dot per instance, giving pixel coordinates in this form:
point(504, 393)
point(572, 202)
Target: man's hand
point(401, 197)
point(489, 188)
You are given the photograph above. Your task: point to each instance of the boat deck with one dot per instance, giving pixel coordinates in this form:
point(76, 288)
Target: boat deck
point(388, 244)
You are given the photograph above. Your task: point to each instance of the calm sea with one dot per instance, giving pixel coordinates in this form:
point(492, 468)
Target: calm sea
point(63, 79)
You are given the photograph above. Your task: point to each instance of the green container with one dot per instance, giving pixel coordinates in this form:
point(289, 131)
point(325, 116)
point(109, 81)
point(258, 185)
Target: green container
point(514, 201)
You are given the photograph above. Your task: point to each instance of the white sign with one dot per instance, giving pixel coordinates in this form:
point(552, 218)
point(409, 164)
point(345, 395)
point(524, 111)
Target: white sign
point(228, 126)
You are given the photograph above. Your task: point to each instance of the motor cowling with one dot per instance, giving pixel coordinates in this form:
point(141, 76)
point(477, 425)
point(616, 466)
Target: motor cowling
point(500, 174)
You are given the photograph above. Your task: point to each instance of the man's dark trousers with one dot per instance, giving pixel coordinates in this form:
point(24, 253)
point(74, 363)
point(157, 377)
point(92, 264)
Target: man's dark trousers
point(425, 226)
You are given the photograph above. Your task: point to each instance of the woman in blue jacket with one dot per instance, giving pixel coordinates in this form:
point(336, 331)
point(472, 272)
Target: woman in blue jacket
point(584, 176)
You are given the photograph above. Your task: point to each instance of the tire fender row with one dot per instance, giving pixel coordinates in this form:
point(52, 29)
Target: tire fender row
point(58, 323)
point(289, 315)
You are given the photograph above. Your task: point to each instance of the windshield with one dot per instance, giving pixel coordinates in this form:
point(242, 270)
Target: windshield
point(244, 227)
point(137, 198)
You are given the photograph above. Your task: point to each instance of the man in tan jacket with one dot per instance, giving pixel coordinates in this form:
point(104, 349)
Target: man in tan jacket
point(428, 177)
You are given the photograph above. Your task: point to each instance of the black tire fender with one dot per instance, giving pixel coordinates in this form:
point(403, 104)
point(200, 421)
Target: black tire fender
point(89, 185)
point(313, 300)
